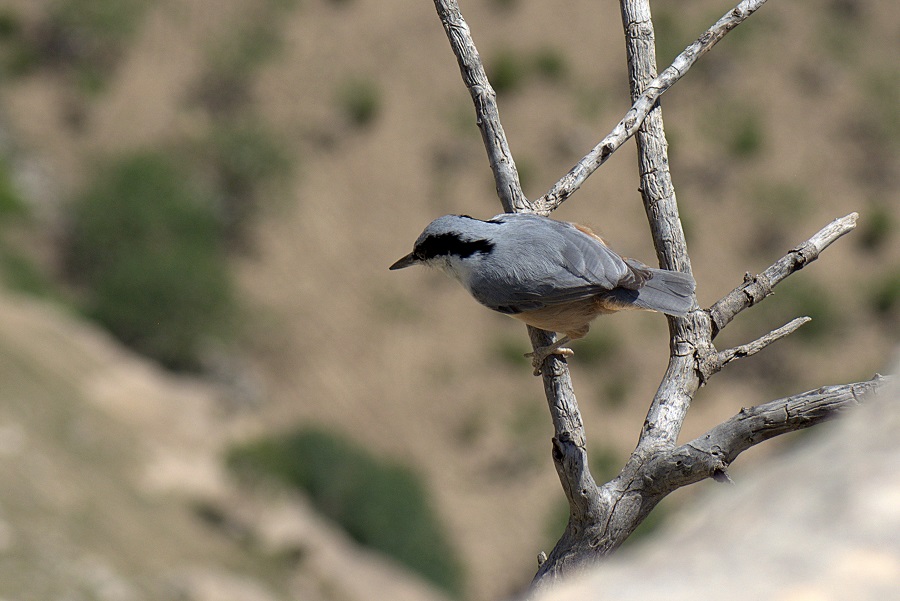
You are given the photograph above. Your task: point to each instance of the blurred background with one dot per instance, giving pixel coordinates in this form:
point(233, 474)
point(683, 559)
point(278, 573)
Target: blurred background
point(213, 388)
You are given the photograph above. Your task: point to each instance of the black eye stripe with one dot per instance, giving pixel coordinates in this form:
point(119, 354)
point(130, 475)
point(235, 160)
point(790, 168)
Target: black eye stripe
point(450, 244)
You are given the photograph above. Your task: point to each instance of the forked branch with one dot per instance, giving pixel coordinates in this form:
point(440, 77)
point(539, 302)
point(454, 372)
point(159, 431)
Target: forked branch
point(756, 288)
point(642, 105)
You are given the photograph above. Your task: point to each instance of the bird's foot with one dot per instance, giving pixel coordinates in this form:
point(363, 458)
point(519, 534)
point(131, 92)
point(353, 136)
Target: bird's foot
point(541, 353)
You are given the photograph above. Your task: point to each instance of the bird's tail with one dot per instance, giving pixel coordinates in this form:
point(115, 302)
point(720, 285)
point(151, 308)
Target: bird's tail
point(669, 292)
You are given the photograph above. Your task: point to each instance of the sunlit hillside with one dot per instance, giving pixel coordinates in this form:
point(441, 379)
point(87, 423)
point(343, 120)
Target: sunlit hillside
point(210, 375)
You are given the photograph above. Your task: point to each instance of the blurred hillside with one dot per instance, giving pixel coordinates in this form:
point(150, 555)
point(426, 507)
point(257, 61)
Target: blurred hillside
point(221, 185)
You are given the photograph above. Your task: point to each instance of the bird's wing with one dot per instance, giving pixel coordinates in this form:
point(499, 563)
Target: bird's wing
point(557, 262)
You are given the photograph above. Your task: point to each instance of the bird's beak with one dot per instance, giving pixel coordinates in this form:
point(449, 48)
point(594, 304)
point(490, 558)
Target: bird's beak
point(406, 261)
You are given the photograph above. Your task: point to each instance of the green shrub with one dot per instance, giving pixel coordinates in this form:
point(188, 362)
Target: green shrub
point(670, 39)
point(147, 249)
point(380, 504)
point(507, 72)
point(747, 136)
point(20, 273)
point(17, 56)
point(877, 228)
point(233, 61)
point(737, 127)
point(89, 36)
point(550, 64)
point(11, 203)
point(796, 297)
point(242, 158)
point(360, 101)
point(885, 298)
point(510, 349)
point(599, 346)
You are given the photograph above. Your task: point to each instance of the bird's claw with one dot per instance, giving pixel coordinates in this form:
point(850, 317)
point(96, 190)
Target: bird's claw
point(540, 354)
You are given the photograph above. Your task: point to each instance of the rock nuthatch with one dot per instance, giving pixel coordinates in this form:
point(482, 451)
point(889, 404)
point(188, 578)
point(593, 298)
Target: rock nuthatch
point(553, 275)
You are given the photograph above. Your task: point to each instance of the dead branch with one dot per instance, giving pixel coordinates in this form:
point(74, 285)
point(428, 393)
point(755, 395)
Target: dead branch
point(751, 348)
point(506, 177)
point(710, 454)
point(641, 106)
point(756, 288)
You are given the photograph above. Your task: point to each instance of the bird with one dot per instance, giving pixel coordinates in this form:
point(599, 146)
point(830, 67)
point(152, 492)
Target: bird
point(554, 275)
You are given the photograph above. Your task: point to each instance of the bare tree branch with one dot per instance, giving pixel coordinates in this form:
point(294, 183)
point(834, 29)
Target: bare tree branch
point(643, 104)
point(756, 288)
point(725, 357)
point(710, 454)
point(506, 177)
point(673, 397)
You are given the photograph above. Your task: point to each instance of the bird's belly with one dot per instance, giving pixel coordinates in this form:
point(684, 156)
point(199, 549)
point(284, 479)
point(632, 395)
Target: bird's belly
point(572, 318)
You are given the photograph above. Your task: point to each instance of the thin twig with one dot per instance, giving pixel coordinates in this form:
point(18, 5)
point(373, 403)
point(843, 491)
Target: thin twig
point(642, 105)
point(751, 348)
point(756, 288)
point(506, 177)
point(717, 360)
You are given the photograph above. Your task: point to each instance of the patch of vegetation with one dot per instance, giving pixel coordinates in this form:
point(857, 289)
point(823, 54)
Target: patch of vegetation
point(801, 296)
point(359, 99)
point(670, 37)
point(615, 389)
point(243, 156)
point(605, 463)
point(747, 136)
point(511, 349)
point(738, 128)
point(527, 170)
point(87, 37)
point(778, 205)
point(147, 249)
point(510, 70)
point(787, 198)
point(16, 55)
point(838, 30)
point(591, 102)
point(225, 88)
point(507, 72)
point(876, 228)
point(550, 64)
point(379, 503)
point(20, 273)
point(886, 294)
point(11, 203)
point(882, 98)
point(600, 345)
